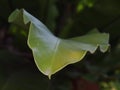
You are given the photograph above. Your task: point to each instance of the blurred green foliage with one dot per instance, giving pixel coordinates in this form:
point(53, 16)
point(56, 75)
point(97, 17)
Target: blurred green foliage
point(66, 18)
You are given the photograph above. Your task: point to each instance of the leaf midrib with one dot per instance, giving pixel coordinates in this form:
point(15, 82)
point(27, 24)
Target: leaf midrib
point(54, 54)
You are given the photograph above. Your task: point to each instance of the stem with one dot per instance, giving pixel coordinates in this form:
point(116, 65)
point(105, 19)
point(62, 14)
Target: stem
point(50, 84)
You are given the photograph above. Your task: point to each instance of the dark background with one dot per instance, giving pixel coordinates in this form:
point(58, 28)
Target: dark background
point(65, 18)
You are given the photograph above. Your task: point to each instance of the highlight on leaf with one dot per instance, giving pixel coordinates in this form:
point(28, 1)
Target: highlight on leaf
point(51, 53)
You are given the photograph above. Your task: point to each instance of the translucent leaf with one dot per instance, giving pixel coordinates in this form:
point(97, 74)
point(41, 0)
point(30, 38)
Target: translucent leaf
point(51, 53)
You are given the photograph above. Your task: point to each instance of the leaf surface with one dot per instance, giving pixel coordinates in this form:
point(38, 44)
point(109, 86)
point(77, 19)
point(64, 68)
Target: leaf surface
point(51, 53)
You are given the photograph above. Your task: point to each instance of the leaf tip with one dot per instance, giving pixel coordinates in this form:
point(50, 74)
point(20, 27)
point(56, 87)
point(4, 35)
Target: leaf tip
point(13, 16)
point(49, 76)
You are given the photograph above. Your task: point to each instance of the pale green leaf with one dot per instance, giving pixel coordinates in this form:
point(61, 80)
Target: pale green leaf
point(51, 53)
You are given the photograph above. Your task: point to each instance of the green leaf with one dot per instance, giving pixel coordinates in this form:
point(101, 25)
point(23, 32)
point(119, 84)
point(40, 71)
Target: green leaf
point(51, 53)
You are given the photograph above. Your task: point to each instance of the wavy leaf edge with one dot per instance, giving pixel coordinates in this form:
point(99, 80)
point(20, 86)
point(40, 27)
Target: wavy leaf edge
point(27, 18)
